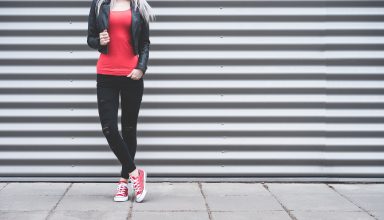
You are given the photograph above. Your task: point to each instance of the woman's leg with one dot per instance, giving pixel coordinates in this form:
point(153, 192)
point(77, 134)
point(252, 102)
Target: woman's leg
point(108, 104)
point(131, 96)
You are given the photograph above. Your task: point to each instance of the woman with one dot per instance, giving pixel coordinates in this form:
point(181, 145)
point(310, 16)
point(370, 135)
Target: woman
point(119, 30)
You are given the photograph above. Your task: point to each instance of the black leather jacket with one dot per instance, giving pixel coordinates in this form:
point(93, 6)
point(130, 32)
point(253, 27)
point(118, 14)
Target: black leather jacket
point(139, 32)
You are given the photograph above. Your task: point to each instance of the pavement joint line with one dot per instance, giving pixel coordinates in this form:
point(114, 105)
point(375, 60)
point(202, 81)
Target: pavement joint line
point(205, 200)
point(129, 217)
point(281, 203)
point(351, 201)
point(5, 186)
point(57, 203)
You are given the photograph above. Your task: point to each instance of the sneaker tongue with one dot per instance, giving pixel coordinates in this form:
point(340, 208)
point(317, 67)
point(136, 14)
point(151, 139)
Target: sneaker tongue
point(133, 177)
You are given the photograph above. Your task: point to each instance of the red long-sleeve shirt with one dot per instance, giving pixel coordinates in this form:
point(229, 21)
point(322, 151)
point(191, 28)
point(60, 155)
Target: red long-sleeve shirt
point(120, 59)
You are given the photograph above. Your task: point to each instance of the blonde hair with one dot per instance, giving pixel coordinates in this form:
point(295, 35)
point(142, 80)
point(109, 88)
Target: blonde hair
point(145, 9)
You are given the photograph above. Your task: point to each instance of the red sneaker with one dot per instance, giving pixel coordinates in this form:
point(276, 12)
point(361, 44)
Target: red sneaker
point(122, 192)
point(139, 185)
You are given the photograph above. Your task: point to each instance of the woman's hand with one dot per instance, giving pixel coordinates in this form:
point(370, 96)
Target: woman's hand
point(136, 74)
point(104, 37)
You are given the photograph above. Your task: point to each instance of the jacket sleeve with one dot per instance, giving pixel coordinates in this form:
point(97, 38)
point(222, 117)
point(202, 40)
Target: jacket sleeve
point(144, 44)
point(93, 39)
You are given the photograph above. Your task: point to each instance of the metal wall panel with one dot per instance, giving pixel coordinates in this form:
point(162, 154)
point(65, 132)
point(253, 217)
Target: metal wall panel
point(233, 89)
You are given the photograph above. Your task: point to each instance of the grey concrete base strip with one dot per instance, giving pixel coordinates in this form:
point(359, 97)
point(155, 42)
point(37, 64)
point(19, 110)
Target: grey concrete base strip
point(200, 179)
point(351, 201)
point(205, 200)
point(53, 209)
point(282, 205)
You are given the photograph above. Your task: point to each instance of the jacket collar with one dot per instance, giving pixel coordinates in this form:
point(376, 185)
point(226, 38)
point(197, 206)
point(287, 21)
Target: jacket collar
point(133, 9)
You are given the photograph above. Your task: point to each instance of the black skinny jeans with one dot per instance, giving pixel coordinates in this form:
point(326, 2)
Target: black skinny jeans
point(109, 88)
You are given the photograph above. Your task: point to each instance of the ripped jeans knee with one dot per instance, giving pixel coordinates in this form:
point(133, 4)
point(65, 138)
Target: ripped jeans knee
point(109, 130)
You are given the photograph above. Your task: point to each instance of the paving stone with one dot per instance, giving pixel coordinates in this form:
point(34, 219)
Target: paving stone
point(88, 203)
point(170, 215)
point(176, 189)
point(310, 197)
point(300, 188)
point(220, 189)
point(253, 215)
point(17, 215)
point(371, 189)
point(239, 197)
point(27, 203)
point(379, 215)
point(171, 202)
point(370, 197)
point(242, 203)
point(93, 214)
point(331, 215)
point(171, 196)
point(42, 188)
point(94, 189)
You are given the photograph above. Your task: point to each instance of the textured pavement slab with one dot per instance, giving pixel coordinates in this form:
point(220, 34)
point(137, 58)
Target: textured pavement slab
point(193, 201)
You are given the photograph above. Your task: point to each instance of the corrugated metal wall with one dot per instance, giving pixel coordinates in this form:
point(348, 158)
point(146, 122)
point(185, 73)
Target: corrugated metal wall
point(233, 89)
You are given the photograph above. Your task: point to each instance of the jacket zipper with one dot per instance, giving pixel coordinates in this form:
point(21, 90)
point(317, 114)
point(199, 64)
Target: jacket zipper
point(107, 24)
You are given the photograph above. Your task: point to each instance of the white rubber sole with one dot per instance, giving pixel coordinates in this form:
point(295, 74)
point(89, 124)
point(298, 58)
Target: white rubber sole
point(141, 197)
point(120, 199)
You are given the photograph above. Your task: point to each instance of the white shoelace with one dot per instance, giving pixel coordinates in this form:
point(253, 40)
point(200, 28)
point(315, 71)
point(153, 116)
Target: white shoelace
point(136, 185)
point(121, 188)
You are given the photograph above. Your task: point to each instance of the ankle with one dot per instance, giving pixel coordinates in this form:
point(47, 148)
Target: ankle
point(134, 173)
point(123, 180)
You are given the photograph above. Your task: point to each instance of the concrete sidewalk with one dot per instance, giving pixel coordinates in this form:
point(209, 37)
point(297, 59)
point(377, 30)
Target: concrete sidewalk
point(193, 200)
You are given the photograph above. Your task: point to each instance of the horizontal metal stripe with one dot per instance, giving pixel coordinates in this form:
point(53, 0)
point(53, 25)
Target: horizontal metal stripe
point(330, 127)
point(201, 148)
point(41, 26)
point(230, 112)
point(207, 55)
point(207, 3)
point(241, 98)
point(72, 112)
point(180, 98)
point(212, 119)
point(203, 40)
point(205, 141)
point(216, 11)
point(201, 84)
point(211, 70)
point(220, 156)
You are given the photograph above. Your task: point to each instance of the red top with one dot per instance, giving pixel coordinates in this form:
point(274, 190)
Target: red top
point(121, 59)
